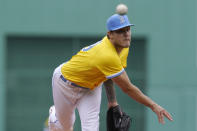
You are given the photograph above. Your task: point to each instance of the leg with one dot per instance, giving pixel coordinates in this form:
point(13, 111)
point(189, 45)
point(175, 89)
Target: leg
point(63, 101)
point(89, 108)
point(65, 111)
point(53, 122)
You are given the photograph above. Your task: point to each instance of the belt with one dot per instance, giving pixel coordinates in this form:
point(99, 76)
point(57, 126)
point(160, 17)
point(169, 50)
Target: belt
point(71, 83)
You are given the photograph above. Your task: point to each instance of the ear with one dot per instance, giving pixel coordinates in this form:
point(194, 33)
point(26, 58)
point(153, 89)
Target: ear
point(109, 34)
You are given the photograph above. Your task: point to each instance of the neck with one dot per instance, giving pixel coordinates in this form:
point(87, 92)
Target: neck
point(118, 49)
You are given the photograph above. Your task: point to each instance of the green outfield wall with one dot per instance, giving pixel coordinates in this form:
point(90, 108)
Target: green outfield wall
point(169, 66)
point(2, 84)
point(2, 70)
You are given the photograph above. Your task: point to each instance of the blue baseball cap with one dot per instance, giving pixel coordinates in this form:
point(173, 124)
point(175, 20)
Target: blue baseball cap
point(117, 21)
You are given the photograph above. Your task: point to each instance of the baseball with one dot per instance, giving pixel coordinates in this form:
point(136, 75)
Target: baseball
point(121, 9)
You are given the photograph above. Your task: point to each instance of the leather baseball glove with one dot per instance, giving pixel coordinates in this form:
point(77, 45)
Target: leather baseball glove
point(117, 120)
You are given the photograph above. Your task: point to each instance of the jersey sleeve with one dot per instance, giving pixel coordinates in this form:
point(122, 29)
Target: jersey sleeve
point(123, 57)
point(110, 66)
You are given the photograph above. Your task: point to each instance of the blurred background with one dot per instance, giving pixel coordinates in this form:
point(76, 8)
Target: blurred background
point(38, 35)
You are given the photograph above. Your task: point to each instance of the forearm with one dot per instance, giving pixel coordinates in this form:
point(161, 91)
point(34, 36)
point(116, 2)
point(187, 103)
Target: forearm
point(110, 92)
point(137, 95)
point(124, 83)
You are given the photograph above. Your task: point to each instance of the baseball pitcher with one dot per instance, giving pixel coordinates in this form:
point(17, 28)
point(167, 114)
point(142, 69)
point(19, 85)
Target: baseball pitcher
point(77, 83)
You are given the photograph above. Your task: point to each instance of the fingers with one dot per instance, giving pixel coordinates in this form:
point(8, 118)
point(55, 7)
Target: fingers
point(161, 115)
point(167, 115)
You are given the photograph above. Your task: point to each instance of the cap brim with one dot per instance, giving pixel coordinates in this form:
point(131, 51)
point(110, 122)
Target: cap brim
point(122, 27)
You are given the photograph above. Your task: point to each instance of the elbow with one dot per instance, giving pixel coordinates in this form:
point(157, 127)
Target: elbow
point(126, 90)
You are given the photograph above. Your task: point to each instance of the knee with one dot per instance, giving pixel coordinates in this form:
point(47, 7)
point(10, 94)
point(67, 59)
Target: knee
point(90, 122)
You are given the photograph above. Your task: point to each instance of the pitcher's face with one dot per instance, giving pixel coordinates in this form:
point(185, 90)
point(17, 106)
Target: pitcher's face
point(121, 38)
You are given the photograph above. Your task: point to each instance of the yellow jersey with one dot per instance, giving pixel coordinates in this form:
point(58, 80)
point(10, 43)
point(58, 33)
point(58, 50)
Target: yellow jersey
point(94, 64)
